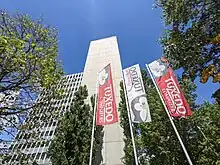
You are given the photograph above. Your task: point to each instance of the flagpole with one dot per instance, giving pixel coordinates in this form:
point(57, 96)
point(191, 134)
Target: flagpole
point(129, 118)
point(170, 118)
point(93, 123)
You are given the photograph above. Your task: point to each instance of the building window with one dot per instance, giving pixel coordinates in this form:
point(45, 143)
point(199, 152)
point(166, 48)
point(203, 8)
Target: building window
point(23, 146)
point(51, 132)
point(29, 155)
point(33, 155)
point(38, 144)
point(54, 123)
point(28, 136)
point(47, 143)
point(51, 123)
point(38, 155)
point(47, 157)
point(34, 144)
point(13, 158)
point(47, 133)
point(12, 145)
point(29, 145)
point(42, 143)
point(25, 156)
point(43, 155)
point(41, 134)
point(42, 124)
point(19, 145)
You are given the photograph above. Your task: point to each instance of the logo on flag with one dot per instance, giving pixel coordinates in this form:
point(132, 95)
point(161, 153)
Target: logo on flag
point(106, 106)
point(137, 100)
point(170, 88)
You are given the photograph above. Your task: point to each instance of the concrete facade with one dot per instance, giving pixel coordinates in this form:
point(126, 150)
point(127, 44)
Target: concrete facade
point(101, 53)
point(36, 150)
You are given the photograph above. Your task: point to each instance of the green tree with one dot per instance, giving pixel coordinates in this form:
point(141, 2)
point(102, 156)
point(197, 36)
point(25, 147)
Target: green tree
point(28, 64)
point(124, 122)
point(207, 120)
point(192, 38)
point(158, 140)
point(98, 140)
point(71, 145)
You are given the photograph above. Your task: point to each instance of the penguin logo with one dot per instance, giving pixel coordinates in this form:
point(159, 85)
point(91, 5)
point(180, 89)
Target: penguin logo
point(139, 107)
point(103, 77)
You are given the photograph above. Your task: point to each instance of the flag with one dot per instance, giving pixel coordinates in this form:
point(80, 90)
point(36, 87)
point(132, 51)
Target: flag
point(106, 104)
point(170, 88)
point(137, 99)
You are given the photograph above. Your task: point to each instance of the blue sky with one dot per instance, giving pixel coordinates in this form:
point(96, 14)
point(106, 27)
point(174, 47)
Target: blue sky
point(136, 25)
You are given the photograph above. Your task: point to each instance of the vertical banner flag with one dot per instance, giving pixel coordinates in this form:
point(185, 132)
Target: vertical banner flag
point(137, 100)
point(170, 88)
point(106, 104)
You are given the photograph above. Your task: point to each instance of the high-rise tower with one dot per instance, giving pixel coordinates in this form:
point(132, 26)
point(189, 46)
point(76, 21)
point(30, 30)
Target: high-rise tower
point(101, 53)
point(27, 146)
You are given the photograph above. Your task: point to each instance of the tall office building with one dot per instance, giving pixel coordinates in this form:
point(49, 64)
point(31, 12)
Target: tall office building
point(36, 148)
point(101, 53)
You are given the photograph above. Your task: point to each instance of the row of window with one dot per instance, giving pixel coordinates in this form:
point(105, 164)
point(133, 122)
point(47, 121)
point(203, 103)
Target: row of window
point(72, 81)
point(41, 124)
point(73, 76)
point(47, 133)
point(38, 120)
point(47, 113)
point(34, 156)
point(26, 136)
point(50, 112)
point(51, 107)
point(68, 79)
point(67, 86)
point(37, 144)
point(71, 88)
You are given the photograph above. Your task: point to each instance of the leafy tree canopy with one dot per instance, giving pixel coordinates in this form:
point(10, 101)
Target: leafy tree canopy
point(71, 145)
point(72, 142)
point(157, 141)
point(192, 38)
point(28, 52)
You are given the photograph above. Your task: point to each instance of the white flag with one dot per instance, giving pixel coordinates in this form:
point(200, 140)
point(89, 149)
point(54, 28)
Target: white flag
point(137, 99)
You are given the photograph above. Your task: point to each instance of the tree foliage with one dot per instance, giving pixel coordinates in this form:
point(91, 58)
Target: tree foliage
point(192, 38)
point(98, 140)
point(124, 122)
point(71, 145)
point(28, 64)
point(158, 142)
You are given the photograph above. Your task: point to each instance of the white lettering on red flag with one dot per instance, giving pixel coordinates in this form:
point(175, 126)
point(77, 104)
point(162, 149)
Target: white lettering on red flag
point(106, 105)
point(170, 88)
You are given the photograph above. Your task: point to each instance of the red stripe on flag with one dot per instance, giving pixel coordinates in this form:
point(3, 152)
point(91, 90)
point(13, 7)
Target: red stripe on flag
point(170, 88)
point(106, 105)
point(173, 95)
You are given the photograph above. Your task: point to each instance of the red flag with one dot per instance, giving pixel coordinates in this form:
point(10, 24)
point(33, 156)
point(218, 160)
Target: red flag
point(170, 88)
point(106, 106)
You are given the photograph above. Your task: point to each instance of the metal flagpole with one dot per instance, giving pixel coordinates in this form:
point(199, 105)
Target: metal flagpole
point(129, 118)
point(174, 127)
point(93, 123)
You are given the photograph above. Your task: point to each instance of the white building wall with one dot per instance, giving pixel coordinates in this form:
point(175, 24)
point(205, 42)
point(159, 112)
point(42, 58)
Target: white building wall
point(36, 151)
point(101, 53)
